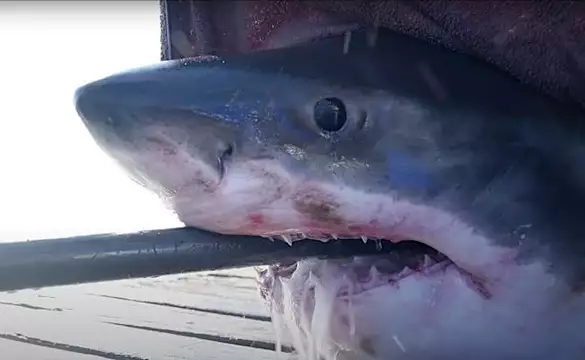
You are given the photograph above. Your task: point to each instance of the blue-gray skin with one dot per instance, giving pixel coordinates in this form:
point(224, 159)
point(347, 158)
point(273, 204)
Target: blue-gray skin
point(415, 142)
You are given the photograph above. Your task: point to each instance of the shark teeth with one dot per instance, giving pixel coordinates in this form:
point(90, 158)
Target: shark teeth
point(354, 276)
point(424, 263)
point(403, 273)
point(291, 237)
point(374, 273)
point(287, 239)
point(427, 261)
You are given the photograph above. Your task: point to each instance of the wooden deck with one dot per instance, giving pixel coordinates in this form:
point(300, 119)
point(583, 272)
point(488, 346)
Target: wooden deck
point(215, 315)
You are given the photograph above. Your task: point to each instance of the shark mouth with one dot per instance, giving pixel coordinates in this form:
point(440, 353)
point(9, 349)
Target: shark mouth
point(315, 303)
point(319, 303)
point(368, 272)
point(364, 273)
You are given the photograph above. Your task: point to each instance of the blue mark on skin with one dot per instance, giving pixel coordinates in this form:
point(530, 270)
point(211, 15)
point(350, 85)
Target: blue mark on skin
point(229, 113)
point(405, 172)
point(241, 112)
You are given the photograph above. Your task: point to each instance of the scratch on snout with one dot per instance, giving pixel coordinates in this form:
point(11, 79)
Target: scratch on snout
point(399, 343)
point(234, 97)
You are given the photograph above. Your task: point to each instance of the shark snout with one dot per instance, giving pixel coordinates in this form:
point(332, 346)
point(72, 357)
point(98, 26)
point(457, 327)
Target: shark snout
point(160, 119)
point(183, 99)
point(101, 107)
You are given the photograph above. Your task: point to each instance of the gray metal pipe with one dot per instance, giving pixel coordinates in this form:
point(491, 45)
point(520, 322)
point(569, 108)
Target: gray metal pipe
point(92, 258)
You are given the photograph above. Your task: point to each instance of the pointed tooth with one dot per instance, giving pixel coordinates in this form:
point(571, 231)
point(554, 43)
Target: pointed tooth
point(374, 273)
point(427, 261)
point(303, 236)
point(379, 245)
point(364, 239)
point(404, 272)
point(287, 239)
point(334, 236)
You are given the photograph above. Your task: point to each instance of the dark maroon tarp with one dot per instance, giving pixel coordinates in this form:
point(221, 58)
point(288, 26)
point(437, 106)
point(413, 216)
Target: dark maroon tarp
point(539, 42)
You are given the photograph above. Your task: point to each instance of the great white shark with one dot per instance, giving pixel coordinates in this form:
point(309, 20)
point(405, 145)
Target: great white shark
point(386, 139)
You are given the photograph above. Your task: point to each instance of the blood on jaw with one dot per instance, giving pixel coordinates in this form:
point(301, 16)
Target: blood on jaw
point(256, 219)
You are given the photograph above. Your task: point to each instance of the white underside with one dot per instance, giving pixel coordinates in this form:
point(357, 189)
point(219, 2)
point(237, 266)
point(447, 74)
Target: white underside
point(426, 317)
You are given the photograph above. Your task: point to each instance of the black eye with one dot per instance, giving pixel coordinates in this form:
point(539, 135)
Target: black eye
point(330, 114)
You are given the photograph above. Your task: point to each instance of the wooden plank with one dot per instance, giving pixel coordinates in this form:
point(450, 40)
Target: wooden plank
point(15, 350)
point(195, 316)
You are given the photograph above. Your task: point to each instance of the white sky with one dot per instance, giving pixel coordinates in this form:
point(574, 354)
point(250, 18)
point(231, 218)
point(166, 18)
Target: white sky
point(54, 181)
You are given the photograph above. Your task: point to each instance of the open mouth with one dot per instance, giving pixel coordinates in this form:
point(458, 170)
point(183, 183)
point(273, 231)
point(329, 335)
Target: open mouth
point(317, 299)
point(420, 241)
point(364, 273)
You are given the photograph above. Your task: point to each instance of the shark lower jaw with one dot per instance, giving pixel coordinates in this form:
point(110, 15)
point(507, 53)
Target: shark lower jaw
point(397, 305)
point(341, 310)
point(357, 275)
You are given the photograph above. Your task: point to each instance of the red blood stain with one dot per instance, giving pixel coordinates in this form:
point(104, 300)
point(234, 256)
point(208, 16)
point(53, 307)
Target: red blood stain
point(256, 219)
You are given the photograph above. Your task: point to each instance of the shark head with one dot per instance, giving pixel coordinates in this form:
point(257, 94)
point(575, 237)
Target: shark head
point(394, 141)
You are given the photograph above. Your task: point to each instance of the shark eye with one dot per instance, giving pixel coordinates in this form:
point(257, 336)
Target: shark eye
point(330, 114)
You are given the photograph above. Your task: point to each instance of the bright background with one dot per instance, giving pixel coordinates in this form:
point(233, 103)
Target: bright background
point(54, 180)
